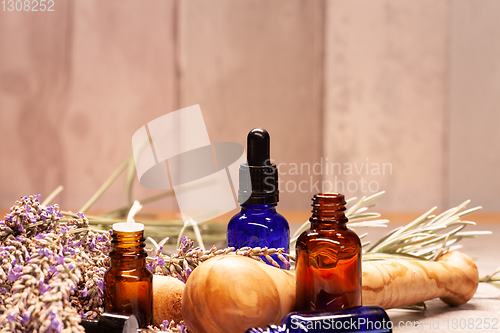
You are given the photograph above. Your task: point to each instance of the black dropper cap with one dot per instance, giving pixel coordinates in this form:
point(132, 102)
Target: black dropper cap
point(258, 177)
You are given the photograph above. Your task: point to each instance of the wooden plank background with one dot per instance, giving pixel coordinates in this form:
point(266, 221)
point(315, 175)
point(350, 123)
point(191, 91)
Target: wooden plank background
point(386, 98)
point(474, 112)
point(257, 64)
point(412, 84)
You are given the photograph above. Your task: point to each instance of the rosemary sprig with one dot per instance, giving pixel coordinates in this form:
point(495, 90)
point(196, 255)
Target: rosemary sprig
point(423, 237)
point(491, 279)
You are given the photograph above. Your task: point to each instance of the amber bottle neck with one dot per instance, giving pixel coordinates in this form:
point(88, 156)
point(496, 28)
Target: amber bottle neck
point(128, 249)
point(328, 211)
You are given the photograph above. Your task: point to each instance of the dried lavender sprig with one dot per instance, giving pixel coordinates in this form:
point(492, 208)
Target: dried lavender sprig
point(168, 327)
point(187, 258)
point(28, 217)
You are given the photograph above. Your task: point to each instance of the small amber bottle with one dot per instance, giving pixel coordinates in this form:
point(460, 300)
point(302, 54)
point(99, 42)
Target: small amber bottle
point(128, 282)
point(328, 258)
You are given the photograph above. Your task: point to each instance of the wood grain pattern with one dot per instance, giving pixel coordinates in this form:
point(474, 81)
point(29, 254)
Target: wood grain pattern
point(474, 114)
point(385, 94)
point(237, 293)
point(394, 283)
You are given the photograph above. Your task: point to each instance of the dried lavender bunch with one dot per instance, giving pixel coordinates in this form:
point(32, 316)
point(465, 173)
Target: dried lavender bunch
point(37, 276)
point(187, 258)
point(94, 248)
point(28, 218)
point(41, 270)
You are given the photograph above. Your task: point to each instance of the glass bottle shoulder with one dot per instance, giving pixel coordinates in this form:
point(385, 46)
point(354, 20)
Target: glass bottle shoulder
point(343, 238)
point(259, 228)
point(246, 216)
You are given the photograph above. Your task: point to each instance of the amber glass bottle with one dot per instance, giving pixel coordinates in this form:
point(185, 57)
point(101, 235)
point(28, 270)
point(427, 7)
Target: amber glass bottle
point(128, 282)
point(328, 258)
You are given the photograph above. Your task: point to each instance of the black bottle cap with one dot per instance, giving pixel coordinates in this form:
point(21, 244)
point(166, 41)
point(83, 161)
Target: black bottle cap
point(111, 323)
point(258, 176)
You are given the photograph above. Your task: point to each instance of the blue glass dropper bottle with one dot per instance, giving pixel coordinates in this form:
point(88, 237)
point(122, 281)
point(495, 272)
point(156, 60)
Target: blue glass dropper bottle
point(367, 319)
point(258, 224)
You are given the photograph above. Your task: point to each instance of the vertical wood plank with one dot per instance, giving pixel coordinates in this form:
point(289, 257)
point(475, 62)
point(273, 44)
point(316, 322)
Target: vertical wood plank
point(385, 99)
point(35, 61)
point(123, 77)
point(76, 85)
point(474, 118)
point(253, 64)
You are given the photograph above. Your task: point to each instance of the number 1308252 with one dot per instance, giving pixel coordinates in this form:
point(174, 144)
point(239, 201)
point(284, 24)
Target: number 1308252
point(27, 5)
